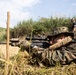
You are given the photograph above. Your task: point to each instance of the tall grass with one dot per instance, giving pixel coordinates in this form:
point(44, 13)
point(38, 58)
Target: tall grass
point(19, 65)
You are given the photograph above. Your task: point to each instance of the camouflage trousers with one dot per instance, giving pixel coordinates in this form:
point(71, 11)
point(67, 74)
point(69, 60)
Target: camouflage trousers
point(50, 58)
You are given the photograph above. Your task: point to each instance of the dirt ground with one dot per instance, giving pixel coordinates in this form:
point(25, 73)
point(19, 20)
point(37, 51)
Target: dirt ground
point(12, 50)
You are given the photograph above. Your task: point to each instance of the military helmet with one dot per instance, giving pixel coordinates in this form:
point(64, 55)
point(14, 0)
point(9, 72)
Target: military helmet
point(61, 30)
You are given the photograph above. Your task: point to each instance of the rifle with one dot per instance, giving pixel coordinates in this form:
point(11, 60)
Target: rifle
point(64, 41)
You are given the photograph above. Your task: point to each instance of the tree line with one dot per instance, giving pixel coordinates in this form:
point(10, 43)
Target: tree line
point(43, 25)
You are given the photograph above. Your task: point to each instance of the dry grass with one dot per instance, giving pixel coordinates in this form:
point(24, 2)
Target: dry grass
point(12, 50)
point(19, 66)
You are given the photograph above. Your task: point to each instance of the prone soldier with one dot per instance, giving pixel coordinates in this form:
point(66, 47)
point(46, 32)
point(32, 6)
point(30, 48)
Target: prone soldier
point(61, 48)
point(57, 47)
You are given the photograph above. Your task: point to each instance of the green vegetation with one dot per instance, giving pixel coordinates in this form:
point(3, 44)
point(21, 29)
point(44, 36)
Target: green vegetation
point(2, 34)
point(43, 25)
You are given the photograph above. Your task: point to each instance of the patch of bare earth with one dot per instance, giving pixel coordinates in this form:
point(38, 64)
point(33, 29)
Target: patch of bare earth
point(12, 50)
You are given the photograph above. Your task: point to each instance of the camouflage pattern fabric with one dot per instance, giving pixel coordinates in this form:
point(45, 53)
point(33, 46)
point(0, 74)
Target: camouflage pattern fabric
point(63, 55)
point(62, 52)
point(71, 47)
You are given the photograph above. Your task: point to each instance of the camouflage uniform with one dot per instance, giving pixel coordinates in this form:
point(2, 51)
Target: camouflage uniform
point(63, 54)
